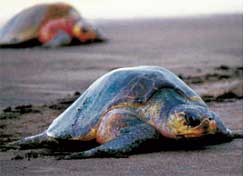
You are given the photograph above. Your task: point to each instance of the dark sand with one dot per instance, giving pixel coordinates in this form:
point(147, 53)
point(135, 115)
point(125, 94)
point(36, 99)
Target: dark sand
point(193, 48)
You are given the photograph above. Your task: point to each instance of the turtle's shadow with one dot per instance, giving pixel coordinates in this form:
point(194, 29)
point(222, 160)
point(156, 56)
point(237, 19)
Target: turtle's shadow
point(200, 143)
point(34, 43)
point(63, 147)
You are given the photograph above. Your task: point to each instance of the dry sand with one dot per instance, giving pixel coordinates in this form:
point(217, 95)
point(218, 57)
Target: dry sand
point(206, 52)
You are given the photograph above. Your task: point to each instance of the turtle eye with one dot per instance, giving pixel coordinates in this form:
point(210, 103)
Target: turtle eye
point(192, 120)
point(84, 30)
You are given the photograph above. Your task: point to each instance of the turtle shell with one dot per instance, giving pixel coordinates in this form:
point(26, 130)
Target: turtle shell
point(25, 25)
point(134, 85)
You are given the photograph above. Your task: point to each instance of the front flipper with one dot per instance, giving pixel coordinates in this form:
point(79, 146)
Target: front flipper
point(130, 139)
point(60, 39)
point(121, 133)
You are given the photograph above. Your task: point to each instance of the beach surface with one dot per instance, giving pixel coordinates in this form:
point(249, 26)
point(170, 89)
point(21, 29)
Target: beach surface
point(37, 84)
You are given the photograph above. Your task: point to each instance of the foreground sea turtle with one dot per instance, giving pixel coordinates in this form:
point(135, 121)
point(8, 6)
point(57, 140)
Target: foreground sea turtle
point(129, 106)
point(51, 25)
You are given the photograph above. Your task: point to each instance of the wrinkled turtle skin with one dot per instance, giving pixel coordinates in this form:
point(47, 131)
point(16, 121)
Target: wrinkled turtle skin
point(50, 25)
point(129, 106)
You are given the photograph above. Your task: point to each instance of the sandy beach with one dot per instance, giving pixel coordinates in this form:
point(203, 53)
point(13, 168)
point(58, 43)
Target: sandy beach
point(206, 52)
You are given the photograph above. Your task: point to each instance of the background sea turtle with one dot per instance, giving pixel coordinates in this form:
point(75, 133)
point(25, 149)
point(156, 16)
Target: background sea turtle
point(47, 24)
point(129, 106)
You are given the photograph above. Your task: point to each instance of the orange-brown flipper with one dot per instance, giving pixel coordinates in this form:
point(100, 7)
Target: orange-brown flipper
point(62, 31)
point(57, 32)
point(113, 122)
point(52, 27)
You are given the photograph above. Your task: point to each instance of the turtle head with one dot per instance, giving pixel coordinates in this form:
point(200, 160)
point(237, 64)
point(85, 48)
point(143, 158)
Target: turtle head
point(85, 32)
point(191, 121)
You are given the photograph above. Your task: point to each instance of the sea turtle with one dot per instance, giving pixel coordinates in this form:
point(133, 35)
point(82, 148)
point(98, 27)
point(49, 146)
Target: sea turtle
point(129, 106)
point(51, 25)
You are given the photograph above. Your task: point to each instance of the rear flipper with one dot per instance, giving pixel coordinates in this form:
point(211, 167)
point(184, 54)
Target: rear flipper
point(124, 134)
point(60, 39)
point(235, 134)
point(30, 142)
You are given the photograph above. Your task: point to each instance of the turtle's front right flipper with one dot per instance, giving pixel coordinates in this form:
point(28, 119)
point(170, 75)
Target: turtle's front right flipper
point(29, 142)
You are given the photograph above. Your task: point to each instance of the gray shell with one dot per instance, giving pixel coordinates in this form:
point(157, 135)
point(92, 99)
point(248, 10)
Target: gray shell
point(134, 84)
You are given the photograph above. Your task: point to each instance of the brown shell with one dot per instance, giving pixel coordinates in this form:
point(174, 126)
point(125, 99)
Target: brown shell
point(25, 25)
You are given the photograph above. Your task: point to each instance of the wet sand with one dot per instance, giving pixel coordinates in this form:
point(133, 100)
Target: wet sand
point(206, 52)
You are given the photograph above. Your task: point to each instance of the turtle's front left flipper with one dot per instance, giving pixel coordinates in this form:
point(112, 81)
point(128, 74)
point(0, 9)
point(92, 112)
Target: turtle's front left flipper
point(131, 138)
point(60, 39)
